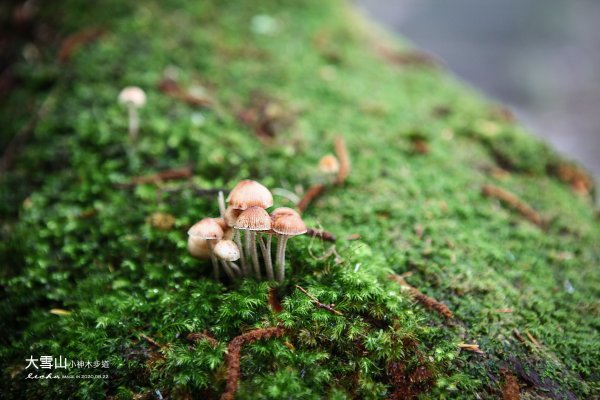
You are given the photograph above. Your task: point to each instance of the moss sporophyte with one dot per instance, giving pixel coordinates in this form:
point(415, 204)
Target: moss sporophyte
point(220, 238)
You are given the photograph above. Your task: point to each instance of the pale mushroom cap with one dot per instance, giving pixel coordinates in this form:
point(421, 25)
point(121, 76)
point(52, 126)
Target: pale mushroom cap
point(283, 211)
point(288, 224)
point(132, 95)
point(231, 215)
point(198, 248)
point(329, 164)
point(254, 219)
point(227, 250)
point(249, 193)
point(207, 228)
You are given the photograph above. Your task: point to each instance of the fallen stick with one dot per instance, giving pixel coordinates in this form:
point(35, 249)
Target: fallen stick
point(341, 151)
point(76, 40)
point(168, 175)
point(327, 236)
point(172, 89)
point(426, 301)
point(234, 350)
point(311, 194)
point(196, 336)
point(318, 303)
point(513, 202)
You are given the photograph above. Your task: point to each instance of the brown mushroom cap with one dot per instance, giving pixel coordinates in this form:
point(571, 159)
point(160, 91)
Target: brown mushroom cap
point(198, 248)
point(329, 164)
point(283, 211)
point(254, 219)
point(249, 193)
point(231, 215)
point(206, 228)
point(227, 250)
point(288, 224)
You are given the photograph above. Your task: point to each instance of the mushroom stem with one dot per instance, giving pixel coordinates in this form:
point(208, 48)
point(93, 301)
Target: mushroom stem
point(235, 268)
point(213, 258)
point(221, 200)
point(237, 239)
point(280, 256)
point(134, 122)
point(228, 270)
point(251, 242)
point(266, 252)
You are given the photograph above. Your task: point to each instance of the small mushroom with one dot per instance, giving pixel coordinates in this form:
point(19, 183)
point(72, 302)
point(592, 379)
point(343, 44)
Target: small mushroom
point(285, 223)
point(249, 193)
point(228, 252)
point(210, 230)
point(198, 248)
point(329, 164)
point(251, 220)
point(133, 98)
point(231, 215)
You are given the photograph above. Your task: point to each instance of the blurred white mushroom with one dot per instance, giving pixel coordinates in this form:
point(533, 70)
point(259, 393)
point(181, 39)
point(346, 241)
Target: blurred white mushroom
point(133, 98)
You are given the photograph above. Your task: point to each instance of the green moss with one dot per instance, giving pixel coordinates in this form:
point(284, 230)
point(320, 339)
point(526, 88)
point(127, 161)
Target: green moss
point(73, 239)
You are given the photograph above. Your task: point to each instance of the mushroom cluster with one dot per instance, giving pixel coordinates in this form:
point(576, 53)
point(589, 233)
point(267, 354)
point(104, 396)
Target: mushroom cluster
point(246, 220)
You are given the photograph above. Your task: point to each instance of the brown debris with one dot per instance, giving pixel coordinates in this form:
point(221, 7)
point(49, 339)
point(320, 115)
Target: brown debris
point(157, 178)
point(518, 335)
point(265, 116)
point(321, 234)
point(513, 202)
point(234, 350)
point(510, 390)
point(161, 220)
point(328, 307)
point(274, 301)
point(408, 384)
point(420, 146)
point(426, 301)
point(502, 114)
point(341, 151)
point(171, 88)
point(471, 347)
point(535, 342)
point(151, 341)
point(76, 40)
point(197, 336)
point(580, 181)
point(408, 58)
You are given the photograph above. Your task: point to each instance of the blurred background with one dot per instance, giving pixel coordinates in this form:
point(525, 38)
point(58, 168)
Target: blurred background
point(539, 57)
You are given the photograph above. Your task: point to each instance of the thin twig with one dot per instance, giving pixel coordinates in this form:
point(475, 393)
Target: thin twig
point(471, 347)
point(151, 341)
point(76, 40)
point(321, 234)
point(234, 350)
point(196, 336)
point(311, 194)
point(426, 301)
point(318, 303)
point(341, 152)
point(167, 175)
point(513, 202)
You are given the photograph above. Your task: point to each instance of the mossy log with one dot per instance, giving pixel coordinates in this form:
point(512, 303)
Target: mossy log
point(447, 194)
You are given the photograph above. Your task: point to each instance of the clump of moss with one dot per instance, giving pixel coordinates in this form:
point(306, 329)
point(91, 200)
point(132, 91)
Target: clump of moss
point(77, 236)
